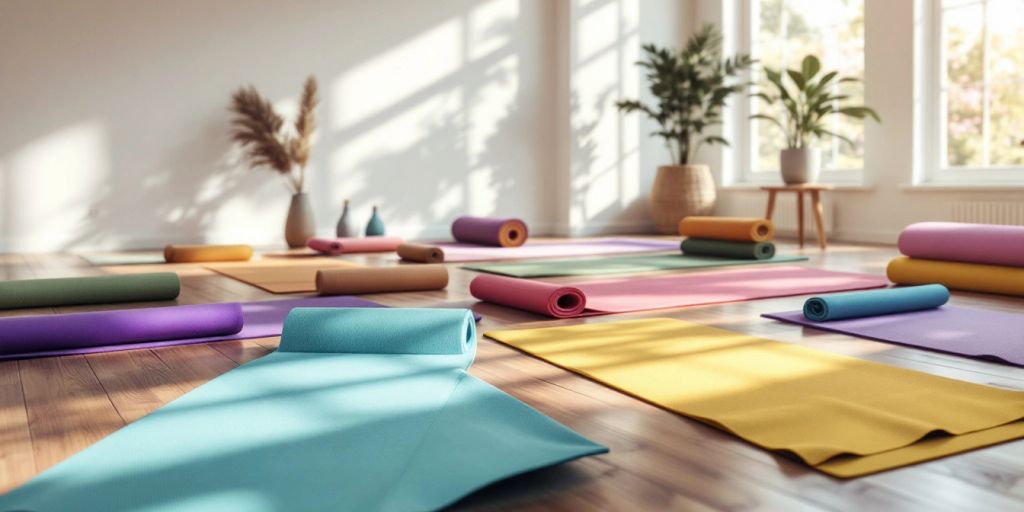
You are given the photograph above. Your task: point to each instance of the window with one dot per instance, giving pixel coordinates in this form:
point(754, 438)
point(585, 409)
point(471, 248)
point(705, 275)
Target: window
point(974, 89)
point(779, 33)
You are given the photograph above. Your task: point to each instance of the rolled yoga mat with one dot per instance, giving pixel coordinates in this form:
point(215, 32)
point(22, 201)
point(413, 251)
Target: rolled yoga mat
point(957, 276)
point(355, 281)
point(842, 306)
point(131, 329)
point(280, 276)
point(73, 291)
point(669, 291)
point(739, 229)
point(206, 253)
point(358, 409)
point(727, 249)
point(987, 244)
point(617, 265)
point(490, 231)
point(335, 246)
point(843, 416)
point(421, 253)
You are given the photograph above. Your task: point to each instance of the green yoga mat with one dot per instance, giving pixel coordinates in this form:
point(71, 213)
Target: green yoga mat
point(728, 249)
point(358, 409)
point(617, 265)
point(71, 291)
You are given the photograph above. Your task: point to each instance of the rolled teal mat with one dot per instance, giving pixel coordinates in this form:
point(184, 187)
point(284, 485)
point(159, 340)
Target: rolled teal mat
point(728, 249)
point(71, 291)
point(875, 302)
point(358, 409)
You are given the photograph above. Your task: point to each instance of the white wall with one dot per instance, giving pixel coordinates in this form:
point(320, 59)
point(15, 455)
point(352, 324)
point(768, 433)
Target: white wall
point(114, 129)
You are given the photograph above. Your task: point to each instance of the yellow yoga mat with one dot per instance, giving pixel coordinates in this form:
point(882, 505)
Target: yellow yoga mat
point(206, 253)
point(727, 228)
point(280, 276)
point(843, 416)
point(973, 277)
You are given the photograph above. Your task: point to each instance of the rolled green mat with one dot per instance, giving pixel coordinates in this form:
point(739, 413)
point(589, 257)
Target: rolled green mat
point(728, 249)
point(70, 291)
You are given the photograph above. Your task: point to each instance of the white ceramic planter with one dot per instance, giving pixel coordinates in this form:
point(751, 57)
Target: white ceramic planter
point(800, 165)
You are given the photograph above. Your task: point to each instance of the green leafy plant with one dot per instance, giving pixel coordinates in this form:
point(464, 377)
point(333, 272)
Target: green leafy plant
point(805, 107)
point(690, 87)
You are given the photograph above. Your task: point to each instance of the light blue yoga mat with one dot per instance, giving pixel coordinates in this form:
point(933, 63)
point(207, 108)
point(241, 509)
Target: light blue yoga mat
point(841, 306)
point(358, 409)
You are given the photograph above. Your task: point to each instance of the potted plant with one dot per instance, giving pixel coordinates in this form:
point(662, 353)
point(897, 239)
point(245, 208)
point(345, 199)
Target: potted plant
point(803, 111)
point(261, 133)
point(690, 87)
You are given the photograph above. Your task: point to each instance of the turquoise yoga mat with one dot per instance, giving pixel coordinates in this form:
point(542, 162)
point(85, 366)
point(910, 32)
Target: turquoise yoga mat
point(617, 265)
point(842, 306)
point(358, 409)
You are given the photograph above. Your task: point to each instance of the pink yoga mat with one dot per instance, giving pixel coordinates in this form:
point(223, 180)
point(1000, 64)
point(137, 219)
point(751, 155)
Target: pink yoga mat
point(460, 252)
point(973, 243)
point(671, 291)
point(335, 246)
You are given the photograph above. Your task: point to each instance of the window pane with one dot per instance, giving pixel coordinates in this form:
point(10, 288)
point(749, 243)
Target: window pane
point(833, 30)
point(963, 126)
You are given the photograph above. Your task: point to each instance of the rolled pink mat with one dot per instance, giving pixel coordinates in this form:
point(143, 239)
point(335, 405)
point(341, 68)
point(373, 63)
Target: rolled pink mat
point(971, 243)
point(336, 246)
point(543, 298)
point(490, 231)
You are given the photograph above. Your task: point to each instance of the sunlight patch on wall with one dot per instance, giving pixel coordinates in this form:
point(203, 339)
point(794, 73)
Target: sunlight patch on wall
point(489, 25)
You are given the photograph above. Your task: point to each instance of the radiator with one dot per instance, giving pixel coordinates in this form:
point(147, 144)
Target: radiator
point(989, 212)
point(784, 217)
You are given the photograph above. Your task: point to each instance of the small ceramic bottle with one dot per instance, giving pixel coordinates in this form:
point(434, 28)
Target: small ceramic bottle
point(343, 228)
point(376, 226)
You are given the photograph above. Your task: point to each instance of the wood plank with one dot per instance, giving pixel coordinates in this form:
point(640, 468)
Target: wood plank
point(17, 462)
point(136, 381)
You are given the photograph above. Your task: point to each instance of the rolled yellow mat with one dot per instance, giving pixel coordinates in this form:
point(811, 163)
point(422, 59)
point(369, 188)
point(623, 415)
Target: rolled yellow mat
point(727, 228)
point(355, 281)
point(422, 253)
point(973, 277)
point(206, 253)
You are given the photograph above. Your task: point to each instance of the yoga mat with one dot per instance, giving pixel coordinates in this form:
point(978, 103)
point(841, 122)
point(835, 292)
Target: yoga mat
point(126, 258)
point(206, 253)
point(991, 335)
point(841, 415)
point(739, 229)
point(617, 265)
point(357, 410)
point(842, 306)
point(355, 281)
point(108, 331)
point(656, 292)
point(727, 249)
point(987, 244)
point(72, 291)
point(421, 253)
point(490, 231)
point(973, 277)
point(282, 276)
point(335, 246)
point(459, 252)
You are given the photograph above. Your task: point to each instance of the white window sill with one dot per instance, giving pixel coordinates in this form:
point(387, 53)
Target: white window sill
point(963, 187)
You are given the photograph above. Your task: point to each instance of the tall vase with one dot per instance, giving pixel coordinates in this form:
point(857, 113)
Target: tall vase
point(300, 225)
point(376, 226)
point(681, 191)
point(343, 229)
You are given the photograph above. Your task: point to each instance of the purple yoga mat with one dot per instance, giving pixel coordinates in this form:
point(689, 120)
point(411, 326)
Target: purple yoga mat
point(968, 332)
point(459, 252)
point(973, 243)
point(127, 329)
point(490, 231)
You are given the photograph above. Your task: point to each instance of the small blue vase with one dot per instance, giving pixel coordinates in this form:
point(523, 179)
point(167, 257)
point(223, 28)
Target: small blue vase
point(376, 226)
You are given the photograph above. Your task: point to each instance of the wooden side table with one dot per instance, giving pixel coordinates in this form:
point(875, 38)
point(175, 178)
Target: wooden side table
point(812, 189)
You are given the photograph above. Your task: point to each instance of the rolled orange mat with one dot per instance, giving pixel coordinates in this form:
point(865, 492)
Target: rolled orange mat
point(421, 253)
point(206, 253)
point(974, 277)
point(740, 229)
point(355, 281)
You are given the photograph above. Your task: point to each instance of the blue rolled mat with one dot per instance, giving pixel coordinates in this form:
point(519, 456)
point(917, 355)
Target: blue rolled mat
point(875, 302)
point(358, 409)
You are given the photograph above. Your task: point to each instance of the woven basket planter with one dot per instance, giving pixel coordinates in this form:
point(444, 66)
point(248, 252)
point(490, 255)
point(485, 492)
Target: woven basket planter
point(680, 191)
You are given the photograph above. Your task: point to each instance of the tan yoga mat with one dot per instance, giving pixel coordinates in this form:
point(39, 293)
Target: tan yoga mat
point(355, 281)
point(279, 276)
point(421, 253)
point(844, 416)
point(727, 228)
point(206, 253)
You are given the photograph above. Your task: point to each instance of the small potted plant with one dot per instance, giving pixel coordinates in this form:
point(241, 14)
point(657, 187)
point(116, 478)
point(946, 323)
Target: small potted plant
point(802, 112)
point(690, 87)
point(261, 133)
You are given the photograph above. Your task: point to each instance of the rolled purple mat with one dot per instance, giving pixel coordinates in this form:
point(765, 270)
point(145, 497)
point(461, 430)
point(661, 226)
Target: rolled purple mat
point(972, 243)
point(28, 334)
point(490, 231)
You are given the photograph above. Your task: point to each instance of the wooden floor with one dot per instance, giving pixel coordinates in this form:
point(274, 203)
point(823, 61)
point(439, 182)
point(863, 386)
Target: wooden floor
point(51, 408)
